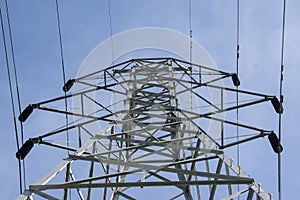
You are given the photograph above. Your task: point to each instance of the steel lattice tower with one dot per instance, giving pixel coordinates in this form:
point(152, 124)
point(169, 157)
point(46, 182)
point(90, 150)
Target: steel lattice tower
point(160, 130)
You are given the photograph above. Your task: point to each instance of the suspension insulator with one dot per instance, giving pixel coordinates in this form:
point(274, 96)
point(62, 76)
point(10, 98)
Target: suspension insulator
point(275, 143)
point(25, 114)
point(277, 105)
point(25, 149)
point(235, 80)
point(68, 85)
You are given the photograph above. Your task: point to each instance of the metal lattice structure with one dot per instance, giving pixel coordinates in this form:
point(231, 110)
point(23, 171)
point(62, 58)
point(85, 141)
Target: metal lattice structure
point(161, 129)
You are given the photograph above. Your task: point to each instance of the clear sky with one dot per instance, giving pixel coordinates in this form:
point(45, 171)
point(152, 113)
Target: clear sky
point(86, 23)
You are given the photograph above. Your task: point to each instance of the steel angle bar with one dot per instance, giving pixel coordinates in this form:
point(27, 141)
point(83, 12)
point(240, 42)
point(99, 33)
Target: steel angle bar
point(147, 167)
point(113, 77)
point(172, 130)
point(77, 189)
point(243, 141)
point(126, 63)
point(62, 165)
point(186, 73)
point(149, 143)
point(97, 103)
point(126, 163)
point(111, 175)
point(212, 81)
point(236, 169)
point(154, 174)
point(160, 143)
point(139, 101)
point(234, 107)
point(190, 159)
point(125, 195)
point(250, 194)
point(57, 169)
point(103, 118)
point(177, 61)
point(185, 188)
point(237, 194)
point(60, 146)
point(260, 192)
point(240, 91)
point(62, 129)
point(137, 147)
point(73, 95)
point(158, 152)
point(121, 134)
point(233, 123)
point(202, 135)
point(207, 174)
point(152, 161)
point(214, 187)
point(91, 171)
point(25, 195)
point(153, 60)
point(136, 184)
point(44, 195)
point(177, 196)
point(123, 82)
point(151, 152)
point(227, 171)
point(161, 94)
point(88, 84)
point(201, 97)
point(195, 155)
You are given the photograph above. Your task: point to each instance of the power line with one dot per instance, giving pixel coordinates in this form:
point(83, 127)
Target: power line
point(191, 48)
point(111, 30)
point(16, 84)
point(280, 93)
point(237, 72)
point(190, 27)
point(11, 95)
point(62, 63)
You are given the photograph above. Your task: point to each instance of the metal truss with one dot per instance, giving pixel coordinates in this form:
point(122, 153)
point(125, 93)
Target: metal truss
point(161, 130)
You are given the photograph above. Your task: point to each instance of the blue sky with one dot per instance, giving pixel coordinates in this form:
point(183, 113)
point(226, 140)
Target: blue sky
point(86, 23)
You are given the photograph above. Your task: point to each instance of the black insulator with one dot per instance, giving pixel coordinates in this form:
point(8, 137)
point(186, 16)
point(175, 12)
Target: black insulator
point(25, 149)
point(68, 85)
point(277, 105)
point(25, 114)
point(275, 143)
point(235, 80)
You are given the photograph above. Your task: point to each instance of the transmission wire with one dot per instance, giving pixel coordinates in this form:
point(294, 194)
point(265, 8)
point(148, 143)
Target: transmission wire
point(16, 83)
point(11, 96)
point(237, 87)
point(191, 48)
point(62, 64)
point(190, 27)
point(64, 73)
point(111, 31)
point(280, 94)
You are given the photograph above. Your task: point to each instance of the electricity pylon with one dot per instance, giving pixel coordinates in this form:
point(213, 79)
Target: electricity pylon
point(145, 125)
